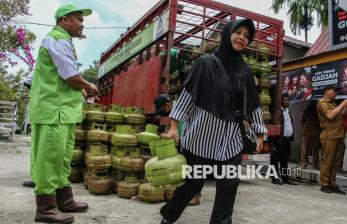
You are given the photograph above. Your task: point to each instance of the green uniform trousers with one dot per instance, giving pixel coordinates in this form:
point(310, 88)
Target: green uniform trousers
point(51, 154)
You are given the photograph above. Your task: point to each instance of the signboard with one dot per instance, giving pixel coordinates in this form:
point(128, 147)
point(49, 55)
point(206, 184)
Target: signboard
point(151, 33)
point(338, 23)
point(308, 83)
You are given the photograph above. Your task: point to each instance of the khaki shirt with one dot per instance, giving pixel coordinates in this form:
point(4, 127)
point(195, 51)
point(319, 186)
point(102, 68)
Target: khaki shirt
point(331, 129)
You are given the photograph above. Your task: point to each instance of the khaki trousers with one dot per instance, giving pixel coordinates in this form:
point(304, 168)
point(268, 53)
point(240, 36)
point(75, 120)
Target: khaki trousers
point(331, 157)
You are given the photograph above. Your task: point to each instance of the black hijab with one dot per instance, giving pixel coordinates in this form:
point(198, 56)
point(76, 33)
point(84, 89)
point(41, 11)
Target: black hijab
point(222, 94)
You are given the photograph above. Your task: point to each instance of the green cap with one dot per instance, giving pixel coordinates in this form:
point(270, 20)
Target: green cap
point(66, 9)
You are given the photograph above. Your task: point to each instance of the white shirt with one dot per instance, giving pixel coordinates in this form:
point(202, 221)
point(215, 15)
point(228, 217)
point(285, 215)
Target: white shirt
point(63, 56)
point(288, 126)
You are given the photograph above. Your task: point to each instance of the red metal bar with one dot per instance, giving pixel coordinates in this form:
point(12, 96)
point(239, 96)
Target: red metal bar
point(164, 88)
point(201, 26)
point(238, 11)
point(211, 4)
point(199, 37)
point(200, 15)
point(198, 29)
point(279, 81)
point(269, 30)
point(203, 22)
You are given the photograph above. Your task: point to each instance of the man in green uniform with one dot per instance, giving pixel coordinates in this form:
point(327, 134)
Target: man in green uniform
point(55, 108)
point(178, 60)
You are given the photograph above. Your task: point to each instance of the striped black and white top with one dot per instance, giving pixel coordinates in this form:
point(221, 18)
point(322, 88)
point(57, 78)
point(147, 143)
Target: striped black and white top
point(207, 136)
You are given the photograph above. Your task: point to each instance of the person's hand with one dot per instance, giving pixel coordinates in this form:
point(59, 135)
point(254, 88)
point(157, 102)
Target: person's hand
point(172, 133)
point(84, 93)
point(260, 144)
point(92, 87)
point(344, 102)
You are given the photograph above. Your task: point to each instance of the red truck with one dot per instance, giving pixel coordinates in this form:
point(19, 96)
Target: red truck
point(133, 71)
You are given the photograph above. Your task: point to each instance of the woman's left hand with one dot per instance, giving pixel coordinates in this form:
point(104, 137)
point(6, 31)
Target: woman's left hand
point(260, 143)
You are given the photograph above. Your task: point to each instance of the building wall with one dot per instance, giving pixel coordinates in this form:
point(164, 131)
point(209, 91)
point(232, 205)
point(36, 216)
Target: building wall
point(291, 53)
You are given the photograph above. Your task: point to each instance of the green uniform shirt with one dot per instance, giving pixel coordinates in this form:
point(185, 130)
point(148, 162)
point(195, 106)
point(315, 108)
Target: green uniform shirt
point(52, 99)
point(174, 63)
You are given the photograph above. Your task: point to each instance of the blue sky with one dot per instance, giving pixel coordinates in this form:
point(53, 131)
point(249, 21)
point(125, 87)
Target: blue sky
point(121, 13)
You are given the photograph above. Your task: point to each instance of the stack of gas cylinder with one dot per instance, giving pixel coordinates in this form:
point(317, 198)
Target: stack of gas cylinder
point(118, 148)
point(135, 117)
point(77, 156)
point(175, 83)
point(261, 71)
point(126, 161)
point(164, 170)
point(97, 159)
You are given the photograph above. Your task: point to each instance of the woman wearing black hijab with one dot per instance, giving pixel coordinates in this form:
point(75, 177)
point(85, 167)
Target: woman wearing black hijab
point(211, 133)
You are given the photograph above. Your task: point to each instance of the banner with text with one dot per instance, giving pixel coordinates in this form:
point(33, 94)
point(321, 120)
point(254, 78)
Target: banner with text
point(151, 33)
point(338, 23)
point(308, 83)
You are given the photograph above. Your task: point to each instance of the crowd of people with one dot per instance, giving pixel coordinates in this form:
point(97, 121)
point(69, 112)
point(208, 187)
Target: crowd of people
point(324, 124)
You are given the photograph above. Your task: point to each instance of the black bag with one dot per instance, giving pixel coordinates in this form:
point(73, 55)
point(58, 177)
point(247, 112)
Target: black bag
point(249, 138)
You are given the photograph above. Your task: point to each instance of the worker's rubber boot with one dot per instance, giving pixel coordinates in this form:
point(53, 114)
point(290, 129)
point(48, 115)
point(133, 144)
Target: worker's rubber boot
point(66, 203)
point(47, 210)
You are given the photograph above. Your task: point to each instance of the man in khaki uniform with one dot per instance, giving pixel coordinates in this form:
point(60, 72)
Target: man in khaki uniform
point(331, 137)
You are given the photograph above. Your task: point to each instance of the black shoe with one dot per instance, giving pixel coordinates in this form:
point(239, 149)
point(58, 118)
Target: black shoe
point(28, 183)
point(325, 189)
point(337, 190)
point(163, 221)
point(277, 181)
point(289, 182)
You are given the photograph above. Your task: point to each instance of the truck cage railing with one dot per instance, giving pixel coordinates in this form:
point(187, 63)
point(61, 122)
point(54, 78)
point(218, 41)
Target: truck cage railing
point(193, 22)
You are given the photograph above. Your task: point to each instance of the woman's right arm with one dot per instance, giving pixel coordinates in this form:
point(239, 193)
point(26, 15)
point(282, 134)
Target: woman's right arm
point(180, 113)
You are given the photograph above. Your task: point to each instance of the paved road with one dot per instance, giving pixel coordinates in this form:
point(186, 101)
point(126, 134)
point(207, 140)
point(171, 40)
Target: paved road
point(258, 202)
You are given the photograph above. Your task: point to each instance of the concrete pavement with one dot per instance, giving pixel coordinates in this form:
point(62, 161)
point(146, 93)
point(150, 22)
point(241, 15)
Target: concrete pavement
point(258, 201)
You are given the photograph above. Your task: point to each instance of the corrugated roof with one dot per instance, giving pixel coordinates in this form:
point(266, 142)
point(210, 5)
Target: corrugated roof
point(321, 45)
point(296, 42)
